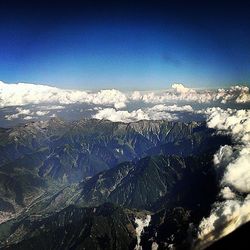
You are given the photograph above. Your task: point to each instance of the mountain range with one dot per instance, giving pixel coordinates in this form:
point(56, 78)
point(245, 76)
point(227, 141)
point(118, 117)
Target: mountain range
point(82, 184)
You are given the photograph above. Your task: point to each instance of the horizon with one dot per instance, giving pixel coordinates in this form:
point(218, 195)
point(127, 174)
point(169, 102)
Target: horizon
point(131, 89)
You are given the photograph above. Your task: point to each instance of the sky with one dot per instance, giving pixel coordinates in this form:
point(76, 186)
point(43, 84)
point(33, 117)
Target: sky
point(127, 45)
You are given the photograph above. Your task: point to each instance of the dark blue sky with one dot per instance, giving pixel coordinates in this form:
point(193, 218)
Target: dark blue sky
point(125, 45)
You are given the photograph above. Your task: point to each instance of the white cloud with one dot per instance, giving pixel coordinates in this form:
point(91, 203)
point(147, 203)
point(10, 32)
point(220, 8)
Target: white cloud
point(28, 117)
point(11, 117)
point(23, 111)
point(239, 94)
point(225, 218)
point(234, 161)
point(41, 113)
point(25, 114)
point(20, 112)
point(221, 158)
point(179, 88)
point(121, 116)
point(24, 93)
point(136, 96)
point(157, 112)
point(172, 108)
point(109, 96)
point(232, 121)
point(235, 94)
point(227, 193)
point(51, 107)
point(238, 172)
point(141, 224)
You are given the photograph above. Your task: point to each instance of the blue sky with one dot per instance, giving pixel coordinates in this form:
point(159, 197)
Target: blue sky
point(136, 46)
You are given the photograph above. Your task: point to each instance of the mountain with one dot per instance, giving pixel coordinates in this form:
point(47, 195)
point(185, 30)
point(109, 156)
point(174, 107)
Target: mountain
point(159, 184)
point(103, 227)
point(84, 184)
point(168, 228)
point(152, 182)
point(45, 154)
point(74, 150)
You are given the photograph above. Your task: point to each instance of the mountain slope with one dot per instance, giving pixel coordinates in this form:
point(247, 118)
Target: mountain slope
point(39, 155)
point(83, 183)
point(83, 148)
point(104, 227)
point(153, 182)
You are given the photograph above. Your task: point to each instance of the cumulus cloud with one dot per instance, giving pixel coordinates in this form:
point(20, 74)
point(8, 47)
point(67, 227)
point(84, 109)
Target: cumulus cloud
point(172, 108)
point(223, 156)
point(179, 88)
point(227, 193)
point(25, 113)
point(11, 117)
point(239, 94)
point(121, 116)
point(178, 92)
point(28, 117)
point(19, 112)
point(225, 218)
point(235, 183)
point(157, 112)
point(41, 113)
point(24, 93)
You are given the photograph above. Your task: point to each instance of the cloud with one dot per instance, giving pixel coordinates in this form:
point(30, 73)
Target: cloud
point(28, 117)
point(233, 161)
point(157, 112)
point(41, 113)
point(235, 94)
point(238, 94)
point(51, 107)
point(227, 193)
point(141, 224)
point(121, 116)
point(225, 218)
point(179, 88)
point(11, 117)
point(20, 112)
point(172, 108)
point(25, 114)
point(223, 156)
point(23, 93)
point(113, 96)
point(232, 121)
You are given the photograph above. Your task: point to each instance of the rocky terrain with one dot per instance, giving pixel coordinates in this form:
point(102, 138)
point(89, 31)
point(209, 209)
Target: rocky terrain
point(81, 185)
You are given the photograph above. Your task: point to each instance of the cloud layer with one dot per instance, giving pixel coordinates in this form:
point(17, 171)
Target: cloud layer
point(156, 112)
point(235, 94)
point(24, 94)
